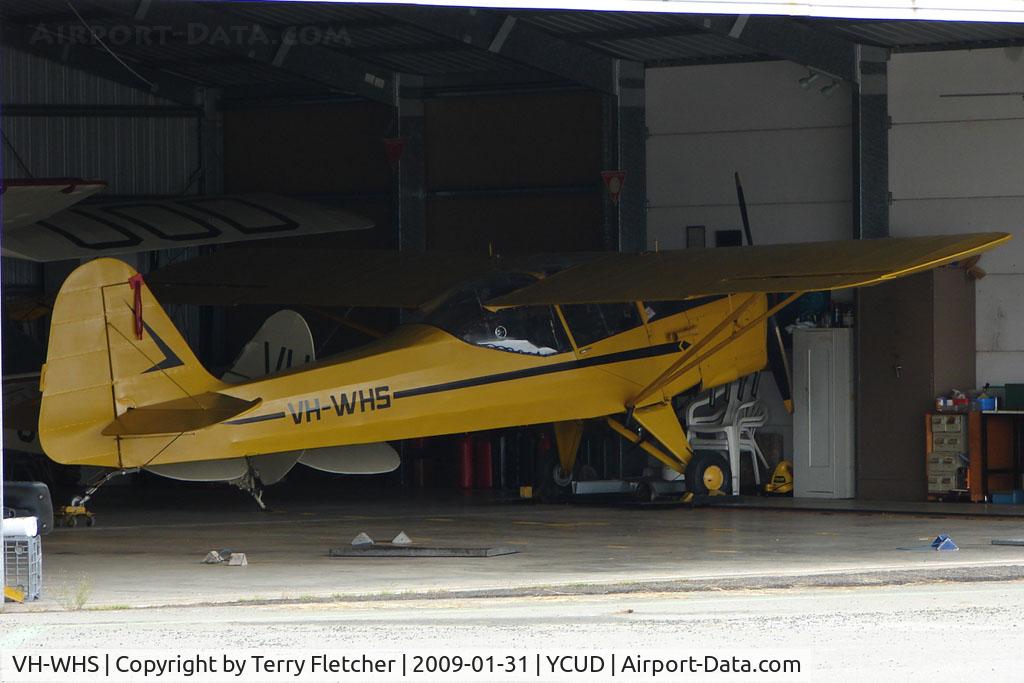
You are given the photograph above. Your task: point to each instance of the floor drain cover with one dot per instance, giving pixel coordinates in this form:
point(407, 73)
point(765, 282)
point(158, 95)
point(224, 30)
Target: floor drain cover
point(390, 550)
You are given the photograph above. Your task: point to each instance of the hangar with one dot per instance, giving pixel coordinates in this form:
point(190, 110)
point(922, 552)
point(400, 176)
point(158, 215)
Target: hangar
point(452, 136)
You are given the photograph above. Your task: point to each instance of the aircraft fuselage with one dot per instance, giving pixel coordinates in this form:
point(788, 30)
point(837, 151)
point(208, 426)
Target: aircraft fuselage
point(420, 381)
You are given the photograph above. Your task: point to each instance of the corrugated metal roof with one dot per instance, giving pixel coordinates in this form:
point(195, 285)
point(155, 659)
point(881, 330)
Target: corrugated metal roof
point(385, 39)
point(172, 52)
point(683, 48)
point(570, 23)
point(915, 34)
point(299, 13)
point(235, 73)
point(43, 8)
point(435, 62)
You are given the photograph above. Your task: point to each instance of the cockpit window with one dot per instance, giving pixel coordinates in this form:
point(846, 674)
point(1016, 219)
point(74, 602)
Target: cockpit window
point(593, 322)
point(533, 330)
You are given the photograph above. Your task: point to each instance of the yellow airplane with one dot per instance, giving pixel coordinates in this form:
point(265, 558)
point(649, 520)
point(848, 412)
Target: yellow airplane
point(615, 337)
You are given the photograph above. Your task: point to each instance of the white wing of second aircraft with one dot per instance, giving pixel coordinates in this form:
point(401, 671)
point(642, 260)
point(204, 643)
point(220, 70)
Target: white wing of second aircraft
point(26, 201)
point(126, 226)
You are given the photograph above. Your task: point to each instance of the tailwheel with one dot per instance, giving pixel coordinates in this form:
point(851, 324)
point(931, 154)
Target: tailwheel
point(708, 473)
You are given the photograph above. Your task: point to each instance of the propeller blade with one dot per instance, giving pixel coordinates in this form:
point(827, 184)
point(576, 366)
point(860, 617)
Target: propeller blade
point(743, 209)
point(779, 364)
point(777, 360)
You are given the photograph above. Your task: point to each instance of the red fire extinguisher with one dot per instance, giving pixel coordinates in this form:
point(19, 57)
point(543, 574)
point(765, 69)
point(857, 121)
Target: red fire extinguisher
point(483, 467)
point(465, 450)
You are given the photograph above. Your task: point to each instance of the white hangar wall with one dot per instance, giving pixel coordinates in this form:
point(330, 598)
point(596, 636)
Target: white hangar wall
point(791, 146)
point(957, 164)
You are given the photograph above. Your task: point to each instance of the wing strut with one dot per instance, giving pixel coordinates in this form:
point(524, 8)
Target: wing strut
point(631, 436)
point(691, 358)
point(670, 372)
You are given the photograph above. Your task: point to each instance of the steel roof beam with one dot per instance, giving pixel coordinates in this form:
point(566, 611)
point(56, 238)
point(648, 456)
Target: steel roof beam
point(437, 85)
point(786, 39)
point(613, 35)
point(515, 39)
point(871, 145)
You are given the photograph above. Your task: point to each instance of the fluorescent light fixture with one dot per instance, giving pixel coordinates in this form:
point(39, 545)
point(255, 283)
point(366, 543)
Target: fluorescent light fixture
point(830, 89)
point(807, 80)
point(936, 10)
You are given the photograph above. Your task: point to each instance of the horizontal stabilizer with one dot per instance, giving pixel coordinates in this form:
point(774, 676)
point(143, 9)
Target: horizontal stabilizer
point(179, 415)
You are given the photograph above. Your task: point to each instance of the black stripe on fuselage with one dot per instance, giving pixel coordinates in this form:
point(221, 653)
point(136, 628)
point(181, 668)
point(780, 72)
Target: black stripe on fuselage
point(620, 357)
point(256, 418)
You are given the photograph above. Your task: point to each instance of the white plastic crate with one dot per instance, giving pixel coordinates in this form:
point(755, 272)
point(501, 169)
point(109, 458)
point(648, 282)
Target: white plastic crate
point(23, 564)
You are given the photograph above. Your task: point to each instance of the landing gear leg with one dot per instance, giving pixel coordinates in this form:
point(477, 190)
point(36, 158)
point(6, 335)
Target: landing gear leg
point(83, 499)
point(250, 483)
point(568, 436)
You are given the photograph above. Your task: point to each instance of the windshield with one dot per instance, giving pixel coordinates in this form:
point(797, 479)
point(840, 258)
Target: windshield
point(533, 330)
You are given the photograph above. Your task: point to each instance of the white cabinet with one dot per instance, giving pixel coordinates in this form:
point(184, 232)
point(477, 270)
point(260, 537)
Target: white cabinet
point(823, 428)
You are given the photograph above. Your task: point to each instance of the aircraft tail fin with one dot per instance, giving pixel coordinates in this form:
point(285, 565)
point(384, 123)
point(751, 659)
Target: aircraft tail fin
point(112, 348)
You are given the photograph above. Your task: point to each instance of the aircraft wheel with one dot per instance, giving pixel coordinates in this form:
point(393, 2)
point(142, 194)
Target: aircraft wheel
point(708, 471)
point(552, 484)
point(560, 477)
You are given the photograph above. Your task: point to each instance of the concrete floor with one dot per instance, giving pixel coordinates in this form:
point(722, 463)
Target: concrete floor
point(149, 552)
point(854, 505)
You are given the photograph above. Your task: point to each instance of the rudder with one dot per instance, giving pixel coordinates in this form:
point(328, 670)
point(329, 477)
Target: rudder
point(97, 366)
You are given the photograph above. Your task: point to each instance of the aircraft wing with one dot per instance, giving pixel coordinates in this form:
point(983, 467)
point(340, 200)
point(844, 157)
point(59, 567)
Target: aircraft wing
point(127, 226)
point(28, 200)
point(812, 266)
point(251, 275)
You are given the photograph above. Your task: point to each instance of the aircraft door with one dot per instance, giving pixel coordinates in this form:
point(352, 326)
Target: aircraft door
point(605, 328)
